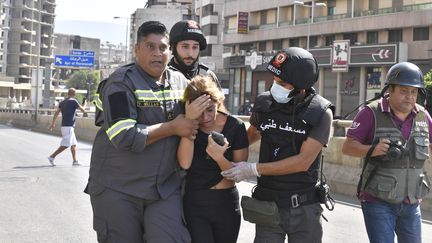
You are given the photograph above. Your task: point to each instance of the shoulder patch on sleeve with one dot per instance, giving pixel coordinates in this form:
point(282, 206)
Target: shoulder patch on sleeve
point(119, 106)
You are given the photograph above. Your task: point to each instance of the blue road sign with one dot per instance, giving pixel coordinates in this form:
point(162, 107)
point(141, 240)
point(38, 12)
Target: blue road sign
point(82, 53)
point(73, 61)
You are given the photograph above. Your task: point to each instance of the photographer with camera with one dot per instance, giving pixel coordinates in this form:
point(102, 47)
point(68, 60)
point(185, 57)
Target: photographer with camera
point(211, 202)
point(393, 136)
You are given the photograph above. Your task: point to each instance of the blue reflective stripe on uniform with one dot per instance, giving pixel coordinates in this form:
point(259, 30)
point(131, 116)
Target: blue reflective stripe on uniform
point(97, 102)
point(120, 126)
point(159, 95)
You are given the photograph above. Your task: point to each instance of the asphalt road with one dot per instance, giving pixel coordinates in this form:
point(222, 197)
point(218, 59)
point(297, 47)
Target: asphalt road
point(40, 203)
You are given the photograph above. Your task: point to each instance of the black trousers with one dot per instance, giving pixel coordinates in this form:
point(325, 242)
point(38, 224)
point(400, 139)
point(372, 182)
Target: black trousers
point(212, 216)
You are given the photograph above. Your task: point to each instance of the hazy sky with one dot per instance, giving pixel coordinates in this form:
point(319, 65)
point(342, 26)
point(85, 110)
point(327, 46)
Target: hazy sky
point(95, 18)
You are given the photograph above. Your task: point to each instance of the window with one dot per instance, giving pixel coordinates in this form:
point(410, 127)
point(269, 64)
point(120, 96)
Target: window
point(352, 37)
point(395, 35)
point(206, 52)
point(421, 34)
point(277, 45)
point(331, 7)
point(294, 42)
point(329, 40)
point(313, 41)
point(76, 42)
point(263, 17)
point(262, 46)
point(372, 37)
point(245, 46)
point(208, 10)
point(373, 76)
point(210, 29)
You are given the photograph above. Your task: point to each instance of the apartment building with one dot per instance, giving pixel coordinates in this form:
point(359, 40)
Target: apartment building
point(26, 43)
point(354, 41)
point(209, 13)
point(167, 12)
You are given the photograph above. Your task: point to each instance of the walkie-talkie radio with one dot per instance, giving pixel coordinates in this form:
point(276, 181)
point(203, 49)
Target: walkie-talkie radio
point(219, 138)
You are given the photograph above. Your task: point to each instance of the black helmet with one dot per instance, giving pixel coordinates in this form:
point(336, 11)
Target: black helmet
point(405, 74)
point(187, 30)
point(296, 66)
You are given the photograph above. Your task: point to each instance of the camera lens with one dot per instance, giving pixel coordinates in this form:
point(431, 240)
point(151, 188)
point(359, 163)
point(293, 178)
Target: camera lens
point(394, 153)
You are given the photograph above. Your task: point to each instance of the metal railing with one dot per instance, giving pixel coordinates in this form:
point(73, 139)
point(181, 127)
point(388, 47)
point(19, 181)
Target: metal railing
point(339, 126)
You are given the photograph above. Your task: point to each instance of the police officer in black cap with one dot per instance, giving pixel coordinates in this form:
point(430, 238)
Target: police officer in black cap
point(186, 42)
point(293, 123)
point(393, 136)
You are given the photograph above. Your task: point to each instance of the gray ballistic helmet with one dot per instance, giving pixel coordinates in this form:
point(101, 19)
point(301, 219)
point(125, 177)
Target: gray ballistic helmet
point(296, 66)
point(187, 30)
point(405, 74)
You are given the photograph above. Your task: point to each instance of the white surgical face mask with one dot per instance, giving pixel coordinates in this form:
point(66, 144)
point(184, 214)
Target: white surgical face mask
point(279, 93)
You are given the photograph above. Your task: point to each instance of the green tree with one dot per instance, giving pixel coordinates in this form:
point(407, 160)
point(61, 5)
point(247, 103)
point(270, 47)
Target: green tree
point(84, 79)
point(428, 84)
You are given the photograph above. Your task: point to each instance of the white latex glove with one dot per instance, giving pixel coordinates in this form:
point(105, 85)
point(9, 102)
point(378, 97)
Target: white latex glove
point(241, 171)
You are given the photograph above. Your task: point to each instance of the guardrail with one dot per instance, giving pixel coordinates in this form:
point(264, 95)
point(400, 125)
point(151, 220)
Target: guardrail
point(339, 126)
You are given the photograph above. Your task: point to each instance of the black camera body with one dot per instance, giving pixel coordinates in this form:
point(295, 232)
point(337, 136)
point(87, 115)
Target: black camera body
point(219, 138)
point(396, 150)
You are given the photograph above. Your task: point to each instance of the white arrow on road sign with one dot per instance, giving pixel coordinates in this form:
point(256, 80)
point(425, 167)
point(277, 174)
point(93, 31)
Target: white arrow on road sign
point(58, 60)
point(382, 53)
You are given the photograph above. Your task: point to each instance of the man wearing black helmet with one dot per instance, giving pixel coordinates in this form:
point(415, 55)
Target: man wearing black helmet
point(393, 137)
point(186, 41)
point(293, 123)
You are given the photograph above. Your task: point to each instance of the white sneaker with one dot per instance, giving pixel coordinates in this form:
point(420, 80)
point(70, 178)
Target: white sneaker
point(76, 163)
point(51, 160)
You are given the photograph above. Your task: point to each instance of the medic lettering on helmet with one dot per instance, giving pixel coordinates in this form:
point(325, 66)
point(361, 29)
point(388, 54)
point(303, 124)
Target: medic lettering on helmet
point(279, 59)
point(194, 31)
point(271, 124)
point(273, 69)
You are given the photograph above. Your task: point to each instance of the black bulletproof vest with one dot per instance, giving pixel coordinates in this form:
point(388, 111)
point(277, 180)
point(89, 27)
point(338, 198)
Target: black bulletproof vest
point(283, 128)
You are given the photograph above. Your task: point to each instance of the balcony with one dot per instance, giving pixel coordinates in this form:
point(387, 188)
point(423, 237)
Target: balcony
point(407, 16)
point(262, 26)
point(50, 2)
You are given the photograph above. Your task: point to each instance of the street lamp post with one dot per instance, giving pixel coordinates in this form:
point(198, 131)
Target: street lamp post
point(127, 32)
point(38, 56)
point(311, 16)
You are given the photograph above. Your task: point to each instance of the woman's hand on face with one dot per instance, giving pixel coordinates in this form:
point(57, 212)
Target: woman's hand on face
point(195, 108)
point(214, 150)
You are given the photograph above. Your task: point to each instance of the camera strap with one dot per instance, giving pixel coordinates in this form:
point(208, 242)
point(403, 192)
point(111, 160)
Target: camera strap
point(366, 161)
point(329, 201)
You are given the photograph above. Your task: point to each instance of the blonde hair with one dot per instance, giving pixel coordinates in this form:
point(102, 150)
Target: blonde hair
point(200, 85)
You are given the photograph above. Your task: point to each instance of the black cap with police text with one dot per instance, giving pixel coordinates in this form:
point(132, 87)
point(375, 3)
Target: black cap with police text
point(296, 66)
point(187, 30)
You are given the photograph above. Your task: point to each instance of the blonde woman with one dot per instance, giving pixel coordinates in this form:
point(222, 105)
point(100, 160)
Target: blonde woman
point(211, 203)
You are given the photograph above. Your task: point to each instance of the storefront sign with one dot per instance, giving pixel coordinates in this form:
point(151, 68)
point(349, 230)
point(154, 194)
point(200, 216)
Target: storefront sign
point(374, 54)
point(242, 22)
point(340, 55)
